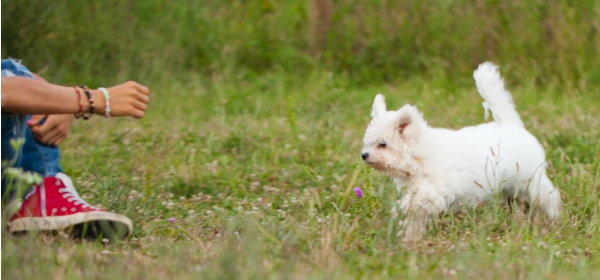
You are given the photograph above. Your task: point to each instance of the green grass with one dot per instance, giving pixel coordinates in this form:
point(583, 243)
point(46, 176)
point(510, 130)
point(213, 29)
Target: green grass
point(258, 174)
point(371, 41)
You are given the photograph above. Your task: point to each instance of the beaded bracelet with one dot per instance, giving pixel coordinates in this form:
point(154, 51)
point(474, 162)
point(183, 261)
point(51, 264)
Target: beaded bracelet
point(78, 115)
point(107, 98)
point(89, 96)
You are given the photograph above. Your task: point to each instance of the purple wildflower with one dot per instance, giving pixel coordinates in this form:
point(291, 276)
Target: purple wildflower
point(172, 220)
point(358, 192)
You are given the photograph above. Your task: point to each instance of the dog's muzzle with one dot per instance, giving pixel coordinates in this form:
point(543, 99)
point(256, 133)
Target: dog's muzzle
point(364, 156)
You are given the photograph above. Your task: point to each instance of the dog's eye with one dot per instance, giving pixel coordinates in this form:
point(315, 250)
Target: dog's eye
point(382, 145)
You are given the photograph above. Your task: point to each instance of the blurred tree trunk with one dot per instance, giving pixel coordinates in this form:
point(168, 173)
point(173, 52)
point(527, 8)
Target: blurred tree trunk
point(319, 14)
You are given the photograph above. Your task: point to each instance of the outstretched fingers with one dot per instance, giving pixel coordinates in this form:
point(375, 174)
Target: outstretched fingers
point(138, 114)
point(142, 89)
point(140, 105)
point(142, 98)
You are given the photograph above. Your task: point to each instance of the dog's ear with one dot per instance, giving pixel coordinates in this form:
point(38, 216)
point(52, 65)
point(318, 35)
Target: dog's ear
point(409, 120)
point(403, 123)
point(378, 106)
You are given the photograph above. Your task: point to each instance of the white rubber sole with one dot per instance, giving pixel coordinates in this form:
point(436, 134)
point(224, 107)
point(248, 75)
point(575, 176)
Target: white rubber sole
point(64, 222)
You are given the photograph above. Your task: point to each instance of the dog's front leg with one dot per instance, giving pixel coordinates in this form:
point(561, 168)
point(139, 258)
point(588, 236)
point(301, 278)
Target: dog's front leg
point(418, 209)
point(414, 224)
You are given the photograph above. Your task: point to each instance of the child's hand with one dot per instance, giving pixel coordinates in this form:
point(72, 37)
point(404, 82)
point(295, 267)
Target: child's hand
point(50, 129)
point(128, 99)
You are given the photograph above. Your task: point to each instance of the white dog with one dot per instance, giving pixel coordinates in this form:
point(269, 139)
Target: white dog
point(441, 169)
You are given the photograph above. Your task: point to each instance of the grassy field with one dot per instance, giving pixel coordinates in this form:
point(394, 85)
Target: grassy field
point(258, 176)
point(253, 146)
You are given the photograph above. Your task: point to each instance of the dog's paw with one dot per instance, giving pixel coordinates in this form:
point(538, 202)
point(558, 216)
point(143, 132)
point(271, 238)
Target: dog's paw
point(410, 238)
point(410, 232)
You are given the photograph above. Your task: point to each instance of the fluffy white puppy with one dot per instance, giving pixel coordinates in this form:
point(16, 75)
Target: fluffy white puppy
point(440, 169)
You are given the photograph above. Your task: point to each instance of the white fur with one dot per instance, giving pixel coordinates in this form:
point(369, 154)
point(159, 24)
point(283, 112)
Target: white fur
point(440, 169)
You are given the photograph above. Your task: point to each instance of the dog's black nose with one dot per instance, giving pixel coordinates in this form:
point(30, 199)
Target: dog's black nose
point(364, 156)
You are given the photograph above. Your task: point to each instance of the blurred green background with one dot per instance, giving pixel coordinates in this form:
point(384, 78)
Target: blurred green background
point(374, 41)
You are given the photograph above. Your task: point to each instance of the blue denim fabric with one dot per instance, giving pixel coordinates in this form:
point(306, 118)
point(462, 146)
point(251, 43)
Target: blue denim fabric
point(33, 156)
point(13, 67)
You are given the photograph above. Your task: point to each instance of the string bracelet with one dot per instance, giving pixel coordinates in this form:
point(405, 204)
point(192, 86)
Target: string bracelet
point(107, 98)
point(78, 115)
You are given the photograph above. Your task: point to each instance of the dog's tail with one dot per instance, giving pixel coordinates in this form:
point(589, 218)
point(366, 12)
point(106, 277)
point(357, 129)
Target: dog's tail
point(496, 99)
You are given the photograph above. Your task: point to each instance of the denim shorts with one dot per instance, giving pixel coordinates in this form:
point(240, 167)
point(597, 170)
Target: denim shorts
point(32, 156)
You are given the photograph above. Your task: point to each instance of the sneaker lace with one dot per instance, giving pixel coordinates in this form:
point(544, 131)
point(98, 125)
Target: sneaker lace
point(70, 194)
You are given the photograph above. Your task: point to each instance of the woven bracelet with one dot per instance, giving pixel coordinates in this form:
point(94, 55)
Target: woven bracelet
point(78, 115)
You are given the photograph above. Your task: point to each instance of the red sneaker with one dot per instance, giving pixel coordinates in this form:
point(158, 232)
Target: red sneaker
point(56, 205)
